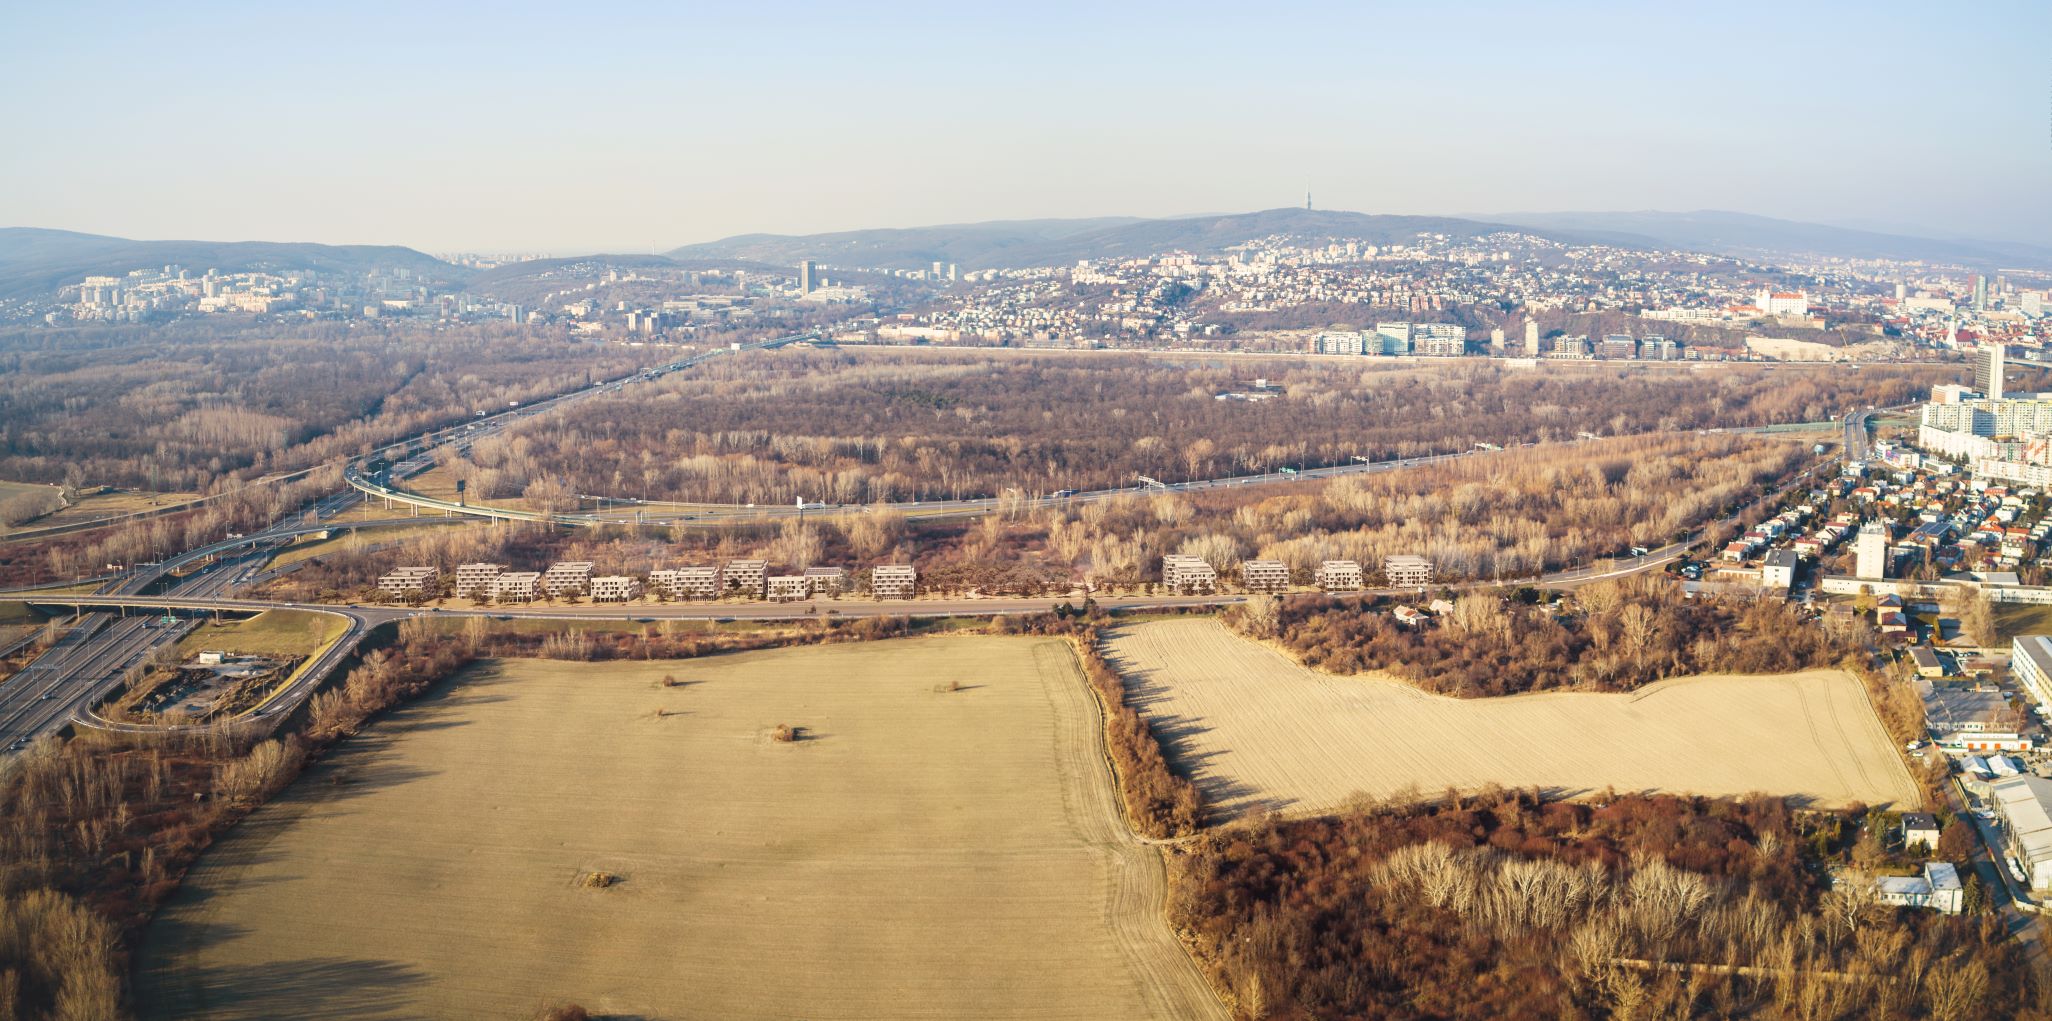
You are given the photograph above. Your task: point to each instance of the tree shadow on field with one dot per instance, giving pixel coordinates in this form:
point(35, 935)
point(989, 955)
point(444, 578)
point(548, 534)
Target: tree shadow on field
point(1225, 798)
point(309, 989)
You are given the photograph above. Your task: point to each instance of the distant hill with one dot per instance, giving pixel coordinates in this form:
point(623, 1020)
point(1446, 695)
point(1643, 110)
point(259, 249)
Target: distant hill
point(970, 245)
point(1014, 243)
point(35, 261)
point(1728, 233)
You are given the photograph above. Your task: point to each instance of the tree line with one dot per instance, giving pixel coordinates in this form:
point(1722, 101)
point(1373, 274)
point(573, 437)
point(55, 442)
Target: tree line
point(1501, 904)
point(893, 426)
point(1613, 635)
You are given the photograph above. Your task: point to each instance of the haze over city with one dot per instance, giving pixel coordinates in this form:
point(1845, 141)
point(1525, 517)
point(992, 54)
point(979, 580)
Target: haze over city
point(519, 127)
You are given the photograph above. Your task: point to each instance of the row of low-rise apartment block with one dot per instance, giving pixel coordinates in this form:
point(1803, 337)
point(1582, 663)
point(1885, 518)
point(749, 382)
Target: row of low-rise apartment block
point(1189, 575)
point(747, 578)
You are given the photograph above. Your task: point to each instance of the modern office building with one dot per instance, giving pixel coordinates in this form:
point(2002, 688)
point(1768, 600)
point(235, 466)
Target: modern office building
point(1988, 371)
point(2030, 659)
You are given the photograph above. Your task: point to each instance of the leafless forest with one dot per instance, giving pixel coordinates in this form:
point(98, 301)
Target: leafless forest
point(897, 426)
point(181, 408)
point(1501, 905)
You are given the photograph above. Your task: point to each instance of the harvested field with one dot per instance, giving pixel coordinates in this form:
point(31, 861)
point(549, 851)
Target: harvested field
point(1260, 732)
point(917, 853)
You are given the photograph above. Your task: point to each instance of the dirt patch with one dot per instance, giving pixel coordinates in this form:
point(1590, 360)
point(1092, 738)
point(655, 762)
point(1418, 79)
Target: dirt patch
point(1261, 732)
point(912, 857)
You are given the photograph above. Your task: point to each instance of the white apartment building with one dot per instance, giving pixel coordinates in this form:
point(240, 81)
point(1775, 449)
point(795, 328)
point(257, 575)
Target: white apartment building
point(893, 581)
point(1339, 576)
point(472, 579)
point(687, 582)
point(1783, 303)
point(1187, 575)
point(1264, 576)
point(1988, 371)
point(614, 588)
point(1407, 569)
point(744, 578)
point(2030, 659)
point(1334, 342)
point(1870, 551)
point(2025, 804)
point(405, 582)
point(569, 577)
point(785, 588)
point(1938, 888)
point(516, 587)
point(826, 581)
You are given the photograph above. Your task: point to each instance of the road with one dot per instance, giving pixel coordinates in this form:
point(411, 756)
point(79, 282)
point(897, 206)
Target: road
point(83, 668)
point(705, 515)
point(77, 675)
point(1855, 426)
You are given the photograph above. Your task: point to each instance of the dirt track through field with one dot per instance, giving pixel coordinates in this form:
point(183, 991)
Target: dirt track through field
point(922, 853)
point(1260, 732)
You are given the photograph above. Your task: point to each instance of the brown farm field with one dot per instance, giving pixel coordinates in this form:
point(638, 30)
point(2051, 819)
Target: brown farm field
point(919, 852)
point(1260, 732)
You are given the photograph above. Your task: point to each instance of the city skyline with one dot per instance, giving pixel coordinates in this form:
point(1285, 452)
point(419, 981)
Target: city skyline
point(659, 129)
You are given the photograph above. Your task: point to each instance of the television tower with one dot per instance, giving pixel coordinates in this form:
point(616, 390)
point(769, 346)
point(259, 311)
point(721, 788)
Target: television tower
point(1307, 199)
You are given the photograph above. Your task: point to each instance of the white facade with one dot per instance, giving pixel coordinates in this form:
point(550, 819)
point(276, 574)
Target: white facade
point(614, 588)
point(2030, 659)
point(744, 577)
point(1187, 575)
point(516, 587)
point(2025, 804)
point(570, 577)
point(687, 582)
point(826, 581)
point(1938, 888)
point(1783, 303)
point(893, 581)
point(1988, 371)
point(1339, 576)
point(1264, 575)
point(1870, 551)
point(1407, 569)
point(472, 579)
point(407, 581)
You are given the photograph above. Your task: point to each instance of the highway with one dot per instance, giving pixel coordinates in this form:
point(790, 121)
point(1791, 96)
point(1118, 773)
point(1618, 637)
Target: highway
point(88, 663)
point(76, 674)
point(62, 685)
point(705, 515)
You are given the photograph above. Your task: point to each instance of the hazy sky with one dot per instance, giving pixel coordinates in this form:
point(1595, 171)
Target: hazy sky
point(562, 127)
